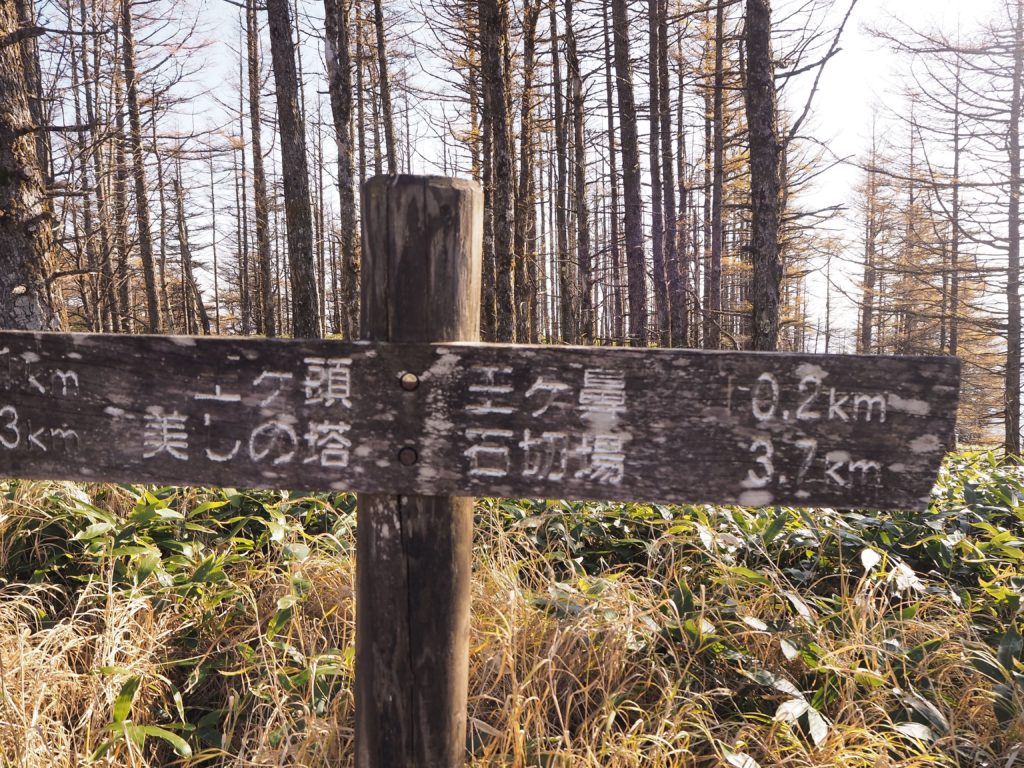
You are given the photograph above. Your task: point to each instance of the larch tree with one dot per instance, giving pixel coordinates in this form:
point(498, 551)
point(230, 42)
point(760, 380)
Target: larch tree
point(26, 236)
point(631, 190)
point(494, 31)
point(265, 321)
point(762, 124)
point(295, 174)
point(144, 232)
point(338, 52)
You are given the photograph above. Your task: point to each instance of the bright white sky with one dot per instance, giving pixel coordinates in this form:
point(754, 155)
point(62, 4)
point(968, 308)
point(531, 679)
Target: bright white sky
point(864, 76)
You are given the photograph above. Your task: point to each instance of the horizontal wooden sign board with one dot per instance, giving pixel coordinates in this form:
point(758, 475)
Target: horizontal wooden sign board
point(477, 419)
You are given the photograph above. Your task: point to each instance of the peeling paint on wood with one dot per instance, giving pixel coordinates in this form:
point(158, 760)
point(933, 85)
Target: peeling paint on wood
point(559, 422)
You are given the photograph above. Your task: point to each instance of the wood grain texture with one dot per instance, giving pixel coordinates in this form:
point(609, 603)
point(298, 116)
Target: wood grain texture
point(483, 419)
point(422, 258)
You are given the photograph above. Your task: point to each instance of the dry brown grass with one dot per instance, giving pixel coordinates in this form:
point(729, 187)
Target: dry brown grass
point(563, 673)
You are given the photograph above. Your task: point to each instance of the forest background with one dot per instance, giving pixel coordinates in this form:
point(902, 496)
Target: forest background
point(203, 178)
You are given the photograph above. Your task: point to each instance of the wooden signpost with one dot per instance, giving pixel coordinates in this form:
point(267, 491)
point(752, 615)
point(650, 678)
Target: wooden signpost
point(419, 417)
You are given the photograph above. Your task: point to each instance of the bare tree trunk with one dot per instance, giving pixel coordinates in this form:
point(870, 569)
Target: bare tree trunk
point(494, 27)
point(91, 304)
point(188, 277)
point(339, 81)
point(630, 177)
point(583, 247)
point(26, 235)
point(295, 173)
point(618, 310)
point(867, 307)
point(676, 293)
point(524, 245)
point(139, 171)
point(265, 318)
point(766, 286)
point(713, 294)
point(110, 312)
point(1013, 325)
point(213, 244)
point(566, 322)
point(29, 49)
point(954, 250)
point(385, 88)
point(661, 312)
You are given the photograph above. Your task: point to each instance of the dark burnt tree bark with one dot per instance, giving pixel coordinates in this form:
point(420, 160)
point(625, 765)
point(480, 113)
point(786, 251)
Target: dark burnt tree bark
point(142, 224)
point(633, 202)
point(494, 27)
point(26, 234)
point(265, 322)
point(295, 174)
point(338, 25)
point(766, 285)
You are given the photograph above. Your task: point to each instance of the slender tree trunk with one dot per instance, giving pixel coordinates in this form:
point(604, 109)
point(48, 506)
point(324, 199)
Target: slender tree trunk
point(1013, 326)
point(583, 246)
point(139, 171)
point(188, 277)
point(676, 298)
point(110, 312)
point(766, 286)
point(122, 277)
point(493, 38)
point(661, 311)
point(213, 245)
point(713, 296)
point(295, 172)
point(26, 235)
point(92, 305)
point(630, 177)
point(954, 249)
point(524, 245)
point(338, 26)
point(566, 322)
point(385, 88)
point(618, 310)
point(165, 301)
point(265, 318)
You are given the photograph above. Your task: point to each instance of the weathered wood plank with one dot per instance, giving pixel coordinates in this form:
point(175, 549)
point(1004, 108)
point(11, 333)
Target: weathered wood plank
point(422, 256)
point(476, 419)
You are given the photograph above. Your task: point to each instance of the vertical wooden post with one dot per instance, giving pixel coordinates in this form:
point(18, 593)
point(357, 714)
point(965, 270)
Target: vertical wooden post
point(421, 272)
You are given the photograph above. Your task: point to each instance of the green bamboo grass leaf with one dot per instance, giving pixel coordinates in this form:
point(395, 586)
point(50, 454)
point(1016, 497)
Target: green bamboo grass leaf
point(123, 702)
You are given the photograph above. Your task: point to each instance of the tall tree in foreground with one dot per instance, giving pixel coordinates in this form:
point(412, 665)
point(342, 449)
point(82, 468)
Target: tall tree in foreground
point(764, 176)
point(25, 227)
point(295, 174)
point(632, 200)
